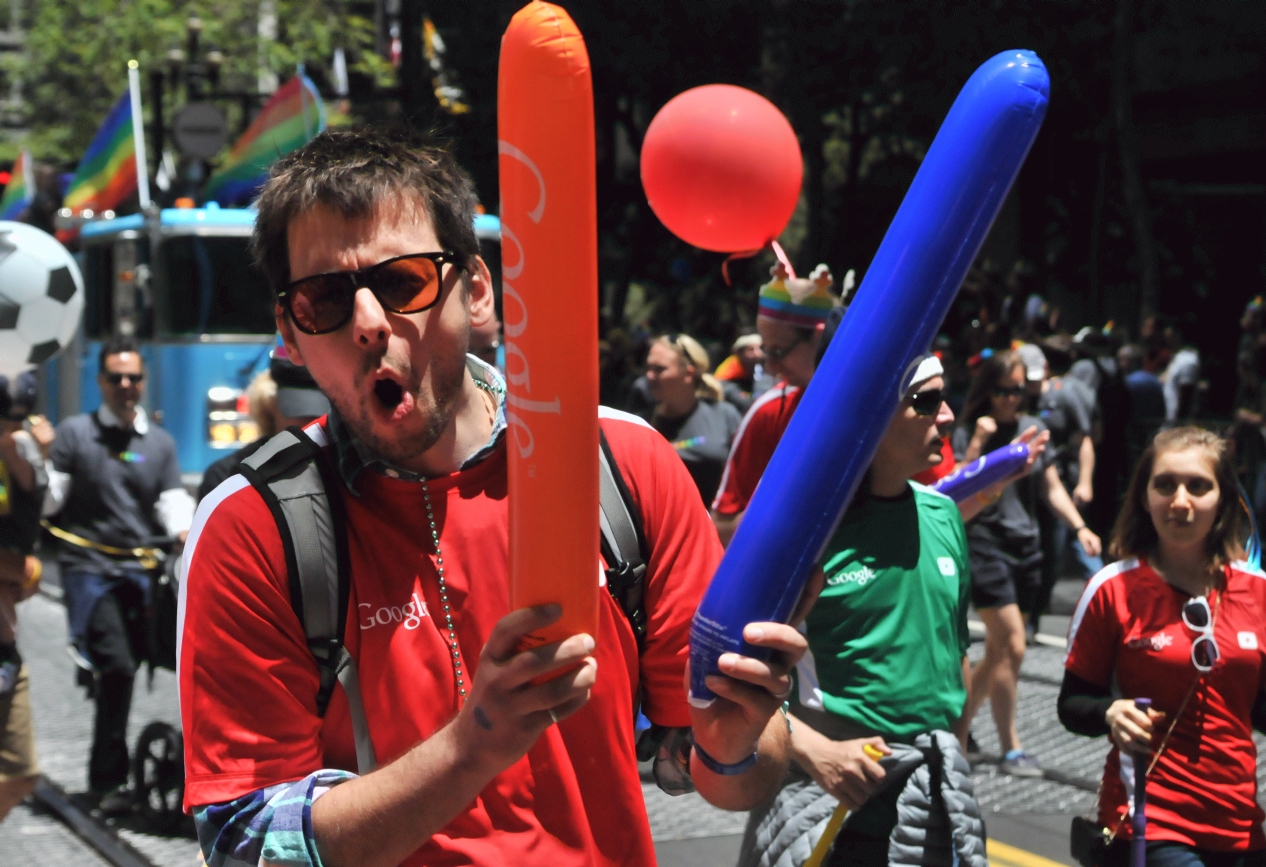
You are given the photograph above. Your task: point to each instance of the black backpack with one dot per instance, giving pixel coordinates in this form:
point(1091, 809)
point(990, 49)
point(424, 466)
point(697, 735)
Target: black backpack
point(294, 476)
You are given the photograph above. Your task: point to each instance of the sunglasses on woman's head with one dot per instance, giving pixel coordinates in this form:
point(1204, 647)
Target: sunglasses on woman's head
point(406, 284)
point(927, 403)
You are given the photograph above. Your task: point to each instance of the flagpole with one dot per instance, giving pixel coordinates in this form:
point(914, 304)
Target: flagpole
point(28, 177)
point(138, 133)
point(303, 91)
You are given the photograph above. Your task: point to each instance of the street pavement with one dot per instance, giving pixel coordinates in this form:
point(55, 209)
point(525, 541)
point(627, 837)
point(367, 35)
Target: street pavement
point(1032, 815)
point(63, 732)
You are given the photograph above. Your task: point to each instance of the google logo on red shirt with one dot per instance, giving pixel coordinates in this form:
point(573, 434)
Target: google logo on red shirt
point(410, 614)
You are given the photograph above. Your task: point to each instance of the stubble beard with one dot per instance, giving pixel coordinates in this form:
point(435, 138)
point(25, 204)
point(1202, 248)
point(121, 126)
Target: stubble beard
point(434, 404)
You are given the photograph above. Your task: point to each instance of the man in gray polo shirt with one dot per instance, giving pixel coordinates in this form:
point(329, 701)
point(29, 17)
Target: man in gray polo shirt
point(114, 486)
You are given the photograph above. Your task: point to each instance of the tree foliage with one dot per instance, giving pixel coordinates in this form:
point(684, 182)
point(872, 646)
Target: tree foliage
point(75, 63)
point(866, 84)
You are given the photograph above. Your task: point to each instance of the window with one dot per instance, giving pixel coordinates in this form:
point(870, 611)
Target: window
point(98, 274)
point(214, 288)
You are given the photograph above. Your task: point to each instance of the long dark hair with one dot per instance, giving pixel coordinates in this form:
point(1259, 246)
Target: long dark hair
point(984, 383)
point(1134, 533)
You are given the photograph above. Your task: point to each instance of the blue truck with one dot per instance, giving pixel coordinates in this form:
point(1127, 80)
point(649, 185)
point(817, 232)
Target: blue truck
point(181, 281)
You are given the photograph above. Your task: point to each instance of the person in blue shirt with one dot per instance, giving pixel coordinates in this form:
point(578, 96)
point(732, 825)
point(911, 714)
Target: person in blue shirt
point(1147, 401)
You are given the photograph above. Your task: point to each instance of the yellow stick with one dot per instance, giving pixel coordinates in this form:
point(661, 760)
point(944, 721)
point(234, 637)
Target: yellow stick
point(833, 824)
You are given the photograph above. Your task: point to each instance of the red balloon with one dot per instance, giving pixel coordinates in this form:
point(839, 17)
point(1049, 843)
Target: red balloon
point(721, 168)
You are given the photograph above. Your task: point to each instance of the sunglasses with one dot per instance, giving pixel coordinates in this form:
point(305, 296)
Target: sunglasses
point(1198, 618)
point(116, 379)
point(406, 284)
point(927, 403)
point(1009, 392)
point(778, 353)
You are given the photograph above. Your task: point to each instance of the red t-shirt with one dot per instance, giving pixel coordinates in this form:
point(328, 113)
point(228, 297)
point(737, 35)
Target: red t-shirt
point(932, 475)
point(1128, 626)
point(753, 446)
point(248, 682)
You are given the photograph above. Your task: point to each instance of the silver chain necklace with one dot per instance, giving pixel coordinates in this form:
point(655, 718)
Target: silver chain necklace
point(448, 611)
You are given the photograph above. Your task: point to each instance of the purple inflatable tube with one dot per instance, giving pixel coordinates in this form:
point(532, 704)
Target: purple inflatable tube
point(972, 478)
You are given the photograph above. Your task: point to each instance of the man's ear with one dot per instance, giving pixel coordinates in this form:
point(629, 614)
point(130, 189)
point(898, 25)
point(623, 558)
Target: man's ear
point(482, 304)
point(287, 331)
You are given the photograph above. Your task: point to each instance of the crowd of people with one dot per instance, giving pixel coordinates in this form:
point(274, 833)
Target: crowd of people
point(320, 730)
point(1114, 458)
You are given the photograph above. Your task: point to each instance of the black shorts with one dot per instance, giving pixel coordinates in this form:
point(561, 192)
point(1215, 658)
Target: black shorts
point(1004, 572)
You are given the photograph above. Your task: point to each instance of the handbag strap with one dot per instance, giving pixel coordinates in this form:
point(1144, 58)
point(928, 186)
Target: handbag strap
point(1213, 622)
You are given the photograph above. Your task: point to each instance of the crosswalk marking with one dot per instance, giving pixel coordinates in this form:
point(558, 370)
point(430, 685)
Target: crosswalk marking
point(1002, 855)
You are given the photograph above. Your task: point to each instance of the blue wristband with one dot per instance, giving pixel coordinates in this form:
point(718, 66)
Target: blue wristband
point(725, 770)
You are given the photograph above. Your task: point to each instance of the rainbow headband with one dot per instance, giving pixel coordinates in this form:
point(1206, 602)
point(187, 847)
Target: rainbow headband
point(797, 302)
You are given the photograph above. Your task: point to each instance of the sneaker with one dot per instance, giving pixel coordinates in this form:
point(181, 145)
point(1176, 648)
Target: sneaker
point(1018, 763)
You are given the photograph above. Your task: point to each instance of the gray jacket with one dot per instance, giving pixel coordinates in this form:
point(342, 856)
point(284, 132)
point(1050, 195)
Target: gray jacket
point(937, 813)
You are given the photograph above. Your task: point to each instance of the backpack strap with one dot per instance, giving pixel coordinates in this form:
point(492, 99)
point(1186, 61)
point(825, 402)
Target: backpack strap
point(293, 478)
point(623, 541)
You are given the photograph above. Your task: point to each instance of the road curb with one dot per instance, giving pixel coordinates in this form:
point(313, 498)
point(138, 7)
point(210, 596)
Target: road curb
point(100, 836)
point(97, 835)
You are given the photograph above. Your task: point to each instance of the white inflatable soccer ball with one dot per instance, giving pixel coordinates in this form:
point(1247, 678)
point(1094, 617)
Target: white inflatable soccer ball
point(41, 297)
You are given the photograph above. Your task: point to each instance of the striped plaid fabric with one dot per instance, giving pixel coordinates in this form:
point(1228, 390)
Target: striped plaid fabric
point(270, 827)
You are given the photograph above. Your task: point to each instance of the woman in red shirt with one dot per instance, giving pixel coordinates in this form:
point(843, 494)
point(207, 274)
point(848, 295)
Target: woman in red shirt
point(1179, 620)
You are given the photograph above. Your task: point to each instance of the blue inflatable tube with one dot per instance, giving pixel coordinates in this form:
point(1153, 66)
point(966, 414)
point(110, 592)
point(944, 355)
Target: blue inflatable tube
point(907, 290)
point(970, 479)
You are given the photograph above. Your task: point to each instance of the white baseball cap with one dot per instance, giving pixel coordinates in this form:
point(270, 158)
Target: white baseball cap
point(1034, 362)
point(928, 367)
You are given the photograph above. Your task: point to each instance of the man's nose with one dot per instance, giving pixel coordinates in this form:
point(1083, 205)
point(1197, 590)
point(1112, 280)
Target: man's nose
point(369, 319)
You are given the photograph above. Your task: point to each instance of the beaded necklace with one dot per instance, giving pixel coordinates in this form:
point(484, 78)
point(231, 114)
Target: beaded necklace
point(448, 611)
point(453, 647)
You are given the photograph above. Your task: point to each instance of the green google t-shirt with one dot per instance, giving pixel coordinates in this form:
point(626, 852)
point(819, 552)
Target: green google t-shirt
point(889, 632)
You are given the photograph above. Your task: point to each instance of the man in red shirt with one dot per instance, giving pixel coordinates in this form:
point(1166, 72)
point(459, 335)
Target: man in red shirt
point(790, 318)
point(367, 238)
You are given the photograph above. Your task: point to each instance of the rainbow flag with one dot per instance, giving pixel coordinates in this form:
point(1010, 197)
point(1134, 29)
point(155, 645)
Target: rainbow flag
point(289, 120)
point(20, 190)
point(106, 176)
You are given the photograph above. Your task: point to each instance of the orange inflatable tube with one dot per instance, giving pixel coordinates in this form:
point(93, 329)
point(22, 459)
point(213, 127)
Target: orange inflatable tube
point(549, 250)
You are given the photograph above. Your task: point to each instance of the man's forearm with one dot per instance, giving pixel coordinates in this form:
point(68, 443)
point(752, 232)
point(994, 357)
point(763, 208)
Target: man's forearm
point(962, 728)
point(377, 820)
point(803, 742)
point(748, 790)
point(1086, 462)
point(1061, 504)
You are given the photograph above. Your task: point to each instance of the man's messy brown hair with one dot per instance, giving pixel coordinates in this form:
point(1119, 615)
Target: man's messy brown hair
point(353, 172)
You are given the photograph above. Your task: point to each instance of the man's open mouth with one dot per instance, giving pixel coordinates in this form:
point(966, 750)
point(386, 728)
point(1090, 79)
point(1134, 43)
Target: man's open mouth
point(389, 393)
